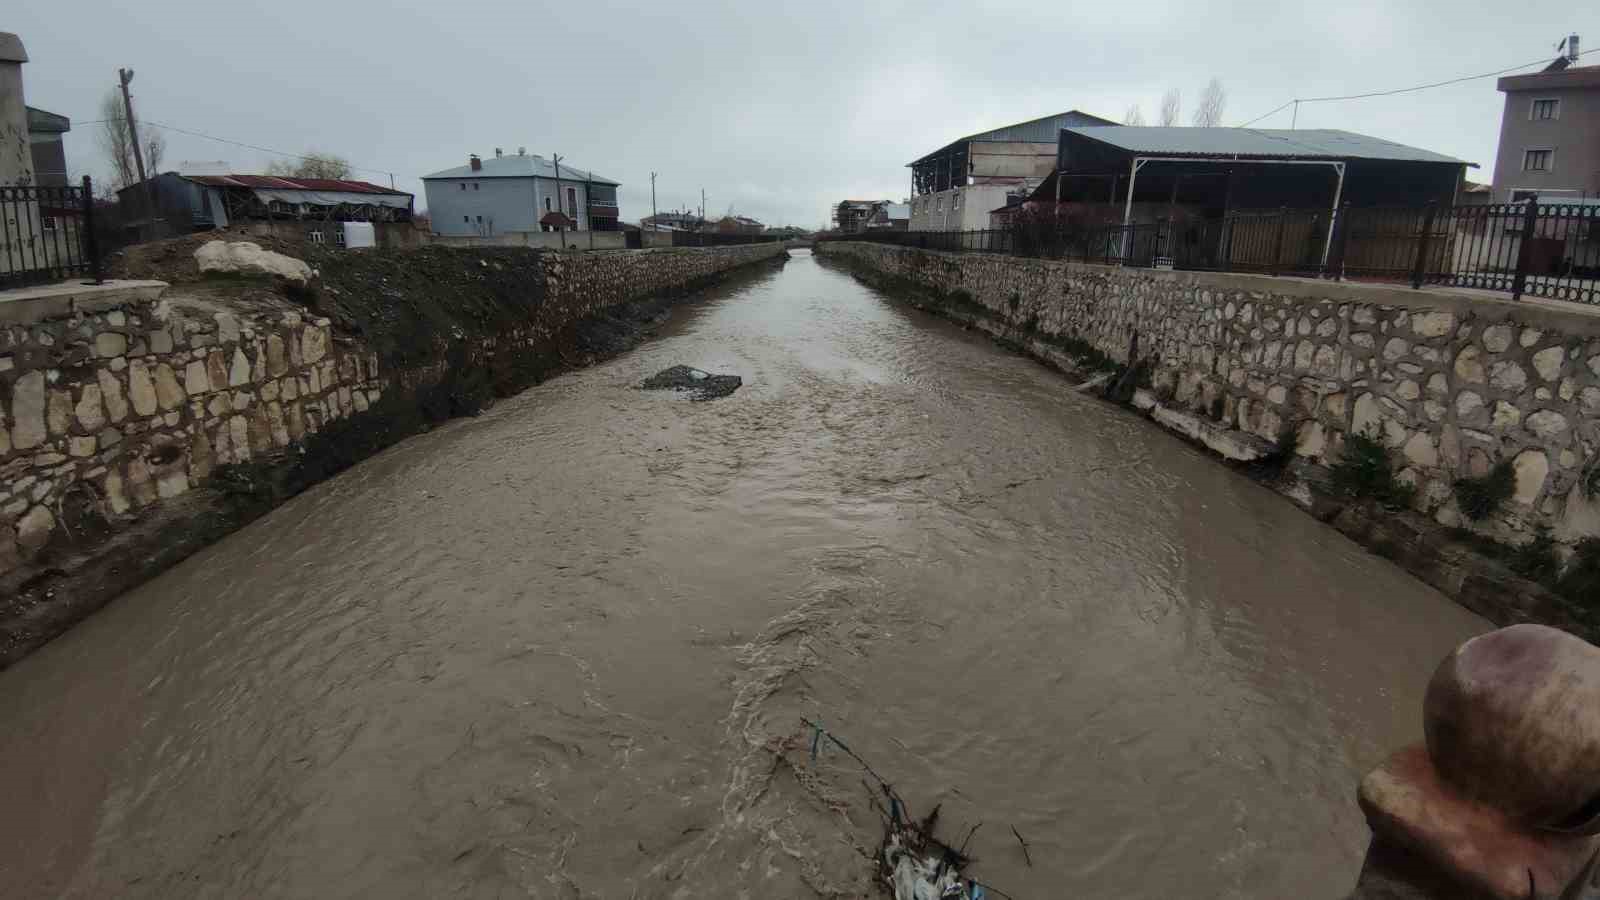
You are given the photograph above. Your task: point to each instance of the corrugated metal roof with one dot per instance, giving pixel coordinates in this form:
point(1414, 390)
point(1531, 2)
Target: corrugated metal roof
point(529, 166)
point(1258, 143)
point(1043, 130)
point(282, 183)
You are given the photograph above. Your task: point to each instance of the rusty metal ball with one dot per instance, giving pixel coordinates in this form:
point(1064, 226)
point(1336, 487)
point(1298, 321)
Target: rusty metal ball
point(1512, 719)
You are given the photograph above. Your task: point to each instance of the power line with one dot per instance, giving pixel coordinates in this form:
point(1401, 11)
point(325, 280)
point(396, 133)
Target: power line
point(219, 140)
point(1405, 90)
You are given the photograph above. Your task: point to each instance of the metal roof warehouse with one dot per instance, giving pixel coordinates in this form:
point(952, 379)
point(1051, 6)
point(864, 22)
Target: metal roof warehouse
point(1217, 170)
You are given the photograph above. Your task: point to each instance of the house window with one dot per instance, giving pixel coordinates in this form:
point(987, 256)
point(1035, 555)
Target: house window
point(463, 185)
point(1537, 160)
point(1545, 109)
point(547, 204)
point(572, 202)
point(938, 205)
point(467, 219)
point(338, 236)
point(1520, 196)
point(316, 237)
point(48, 223)
point(475, 185)
point(480, 220)
point(955, 202)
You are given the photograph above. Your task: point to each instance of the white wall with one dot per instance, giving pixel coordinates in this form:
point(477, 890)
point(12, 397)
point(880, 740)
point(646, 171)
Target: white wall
point(962, 209)
point(503, 204)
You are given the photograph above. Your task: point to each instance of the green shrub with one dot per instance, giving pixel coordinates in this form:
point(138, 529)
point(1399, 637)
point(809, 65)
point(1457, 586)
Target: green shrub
point(1365, 470)
point(1580, 584)
point(1480, 498)
point(1536, 560)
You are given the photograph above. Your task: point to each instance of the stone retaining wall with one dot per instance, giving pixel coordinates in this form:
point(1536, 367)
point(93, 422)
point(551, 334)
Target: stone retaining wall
point(1452, 380)
point(112, 404)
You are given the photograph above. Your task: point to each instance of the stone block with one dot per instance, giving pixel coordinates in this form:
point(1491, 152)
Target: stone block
point(1432, 324)
point(216, 371)
point(1469, 365)
point(1547, 423)
point(239, 371)
point(110, 343)
point(28, 411)
point(34, 528)
point(58, 411)
point(1508, 376)
point(1497, 338)
point(111, 393)
point(195, 380)
point(169, 394)
point(141, 389)
point(1531, 468)
point(277, 363)
point(1547, 363)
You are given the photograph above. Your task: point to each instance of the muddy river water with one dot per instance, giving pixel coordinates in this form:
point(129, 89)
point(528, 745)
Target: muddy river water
point(563, 649)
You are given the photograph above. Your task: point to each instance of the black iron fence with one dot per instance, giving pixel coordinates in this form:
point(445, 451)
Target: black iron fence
point(1540, 249)
point(47, 234)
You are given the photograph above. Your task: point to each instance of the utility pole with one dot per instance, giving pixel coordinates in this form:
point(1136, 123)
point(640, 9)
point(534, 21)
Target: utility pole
point(124, 76)
point(561, 202)
point(702, 209)
point(653, 222)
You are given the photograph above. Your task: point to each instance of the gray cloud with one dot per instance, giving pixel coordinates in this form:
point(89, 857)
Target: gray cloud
point(776, 110)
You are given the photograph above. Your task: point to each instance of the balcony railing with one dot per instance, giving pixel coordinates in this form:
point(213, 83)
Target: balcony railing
point(607, 204)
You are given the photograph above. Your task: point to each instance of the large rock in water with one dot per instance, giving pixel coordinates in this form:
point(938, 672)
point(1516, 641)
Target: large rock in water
point(700, 385)
point(247, 258)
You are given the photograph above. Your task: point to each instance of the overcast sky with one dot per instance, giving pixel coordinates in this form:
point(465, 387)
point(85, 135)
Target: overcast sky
point(776, 110)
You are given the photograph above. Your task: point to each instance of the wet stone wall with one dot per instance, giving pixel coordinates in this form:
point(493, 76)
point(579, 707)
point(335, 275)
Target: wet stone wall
point(113, 407)
point(1452, 381)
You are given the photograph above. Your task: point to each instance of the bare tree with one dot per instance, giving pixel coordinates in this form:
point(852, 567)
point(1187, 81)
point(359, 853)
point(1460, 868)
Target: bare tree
point(1213, 100)
point(116, 142)
point(313, 165)
point(1134, 116)
point(1171, 106)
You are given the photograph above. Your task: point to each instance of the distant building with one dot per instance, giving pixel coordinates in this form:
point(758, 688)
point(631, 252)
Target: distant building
point(1550, 133)
point(1474, 194)
point(203, 202)
point(738, 225)
point(850, 216)
point(49, 153)
point(673, 220)
point(519, 193)
point(890, 217)
point(856, 216)
point(953, 188)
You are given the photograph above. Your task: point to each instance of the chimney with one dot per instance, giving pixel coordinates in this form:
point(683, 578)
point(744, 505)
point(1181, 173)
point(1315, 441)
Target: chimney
point(475, 163)
point(522, 151)
point(497, 153)
point(1572, 49)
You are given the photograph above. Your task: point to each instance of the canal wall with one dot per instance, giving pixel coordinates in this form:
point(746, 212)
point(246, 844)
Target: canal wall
point(117, 402)
point(1452, 381)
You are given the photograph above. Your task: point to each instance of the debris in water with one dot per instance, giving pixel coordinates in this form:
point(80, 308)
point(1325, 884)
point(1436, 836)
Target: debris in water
point(912, 862)
point(701, 385)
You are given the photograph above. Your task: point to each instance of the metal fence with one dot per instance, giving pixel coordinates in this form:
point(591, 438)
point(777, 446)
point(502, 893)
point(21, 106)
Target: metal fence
point(716, 239)
point(1544, 250)
point(47, 234)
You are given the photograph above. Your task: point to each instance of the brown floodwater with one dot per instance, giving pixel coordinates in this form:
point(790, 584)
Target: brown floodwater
point(559, 650)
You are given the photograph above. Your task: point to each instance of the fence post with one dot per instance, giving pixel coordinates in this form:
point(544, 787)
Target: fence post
point(1530, 218)
point(91, 241)
point(1341, 241)
point(1277, 241)
point(1419, 268)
